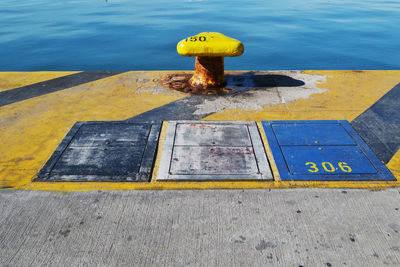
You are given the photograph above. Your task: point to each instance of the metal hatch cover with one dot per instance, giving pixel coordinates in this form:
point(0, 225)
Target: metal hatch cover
point(329, 150)
point(213, 150)
point(104, 151)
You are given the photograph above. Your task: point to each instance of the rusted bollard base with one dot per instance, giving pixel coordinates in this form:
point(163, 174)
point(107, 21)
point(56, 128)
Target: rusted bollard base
point(208, 73)
point(181, 82)
point(208, 78)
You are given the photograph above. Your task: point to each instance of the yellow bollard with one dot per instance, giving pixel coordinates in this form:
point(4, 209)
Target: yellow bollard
point(209, 48)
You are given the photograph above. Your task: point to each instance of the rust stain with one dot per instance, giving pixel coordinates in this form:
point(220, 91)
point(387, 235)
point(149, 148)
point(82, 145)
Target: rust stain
point(208, 73)
point(180, 82)
point(208, 78)
point(202, 126)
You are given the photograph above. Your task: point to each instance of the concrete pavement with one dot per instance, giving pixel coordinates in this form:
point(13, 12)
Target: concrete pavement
point(294, 227)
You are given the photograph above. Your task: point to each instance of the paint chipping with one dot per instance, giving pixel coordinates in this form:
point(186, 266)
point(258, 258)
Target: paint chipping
point(155, 90)
point(257, 97)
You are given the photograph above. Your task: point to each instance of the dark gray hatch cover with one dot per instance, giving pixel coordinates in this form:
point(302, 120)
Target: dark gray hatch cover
point(104, 151)
point(213, 150)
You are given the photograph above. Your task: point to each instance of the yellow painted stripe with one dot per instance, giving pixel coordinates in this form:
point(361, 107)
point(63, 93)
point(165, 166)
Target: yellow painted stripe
point(160, 150)
point(11, 80)
point(394, 165)
point(88, 186)
point(268, 151)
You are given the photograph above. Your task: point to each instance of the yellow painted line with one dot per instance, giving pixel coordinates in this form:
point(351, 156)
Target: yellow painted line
point(268, 151)
point(394, 165)
point(31, 130)
point(89, 186)
point(11, 80)
point(160, 150)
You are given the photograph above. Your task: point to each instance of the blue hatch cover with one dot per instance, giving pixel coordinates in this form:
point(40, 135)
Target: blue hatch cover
point(322, 150)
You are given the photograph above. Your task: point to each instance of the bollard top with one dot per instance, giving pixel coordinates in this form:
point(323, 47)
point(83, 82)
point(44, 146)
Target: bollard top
point(210, 44)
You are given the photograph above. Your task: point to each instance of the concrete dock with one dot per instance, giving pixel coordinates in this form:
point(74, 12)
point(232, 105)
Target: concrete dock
point(270, 222)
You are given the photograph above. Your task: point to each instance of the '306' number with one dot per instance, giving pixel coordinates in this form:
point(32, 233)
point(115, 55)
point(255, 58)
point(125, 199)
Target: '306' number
point(328, 167)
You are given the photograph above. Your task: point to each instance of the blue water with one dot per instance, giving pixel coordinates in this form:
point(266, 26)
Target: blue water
point(142, 35)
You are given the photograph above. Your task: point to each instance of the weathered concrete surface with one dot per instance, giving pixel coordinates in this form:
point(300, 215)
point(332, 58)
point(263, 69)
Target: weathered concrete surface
point(297, 227)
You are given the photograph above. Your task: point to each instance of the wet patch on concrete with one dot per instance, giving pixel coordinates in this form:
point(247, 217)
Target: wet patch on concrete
point(262, 245)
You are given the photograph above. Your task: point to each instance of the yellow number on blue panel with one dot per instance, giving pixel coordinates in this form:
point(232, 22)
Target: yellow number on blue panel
point(344, 167)
point(328, 166)
point(313, 167)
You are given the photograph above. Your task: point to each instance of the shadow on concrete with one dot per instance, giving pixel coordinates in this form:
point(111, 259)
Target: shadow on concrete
point(254, 80)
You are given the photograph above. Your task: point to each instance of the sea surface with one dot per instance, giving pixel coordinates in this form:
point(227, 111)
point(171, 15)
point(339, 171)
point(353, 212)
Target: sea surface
point(54, 35)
